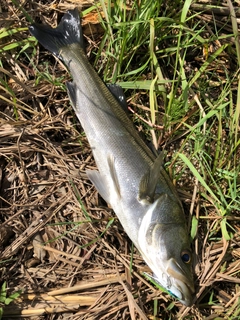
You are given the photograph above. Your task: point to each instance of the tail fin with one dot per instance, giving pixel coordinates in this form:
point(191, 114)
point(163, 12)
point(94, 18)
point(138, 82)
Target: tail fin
point(68, 31)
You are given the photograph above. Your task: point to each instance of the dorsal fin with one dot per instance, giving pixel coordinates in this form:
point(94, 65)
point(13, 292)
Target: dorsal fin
point(118, 93)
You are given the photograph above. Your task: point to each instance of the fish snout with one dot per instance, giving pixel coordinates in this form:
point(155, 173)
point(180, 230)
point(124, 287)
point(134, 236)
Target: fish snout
point(182, 284)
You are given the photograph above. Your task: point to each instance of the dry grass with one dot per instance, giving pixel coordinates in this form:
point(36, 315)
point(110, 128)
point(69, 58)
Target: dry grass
point(60, 243)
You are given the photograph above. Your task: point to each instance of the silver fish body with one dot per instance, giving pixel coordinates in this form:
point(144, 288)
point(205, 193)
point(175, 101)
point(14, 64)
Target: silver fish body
point(129, 177)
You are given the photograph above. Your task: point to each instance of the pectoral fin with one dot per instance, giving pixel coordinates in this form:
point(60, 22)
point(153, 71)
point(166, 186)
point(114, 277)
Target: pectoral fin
point(149, 181)
point(113, 175)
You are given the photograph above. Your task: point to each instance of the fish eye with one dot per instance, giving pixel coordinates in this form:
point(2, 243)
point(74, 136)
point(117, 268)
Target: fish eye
point(186, 257)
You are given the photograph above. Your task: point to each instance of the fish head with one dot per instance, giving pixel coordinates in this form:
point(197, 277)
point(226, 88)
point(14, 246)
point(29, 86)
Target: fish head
point(165, 246)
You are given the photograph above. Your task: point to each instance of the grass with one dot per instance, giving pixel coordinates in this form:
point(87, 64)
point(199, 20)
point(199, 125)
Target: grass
point(179, 67)
point(5, 299)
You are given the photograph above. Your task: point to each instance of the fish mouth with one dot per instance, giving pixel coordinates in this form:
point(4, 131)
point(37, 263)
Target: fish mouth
point(182, 285)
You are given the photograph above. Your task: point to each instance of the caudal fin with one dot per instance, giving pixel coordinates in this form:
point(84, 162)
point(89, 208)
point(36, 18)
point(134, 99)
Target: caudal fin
point(68, 31)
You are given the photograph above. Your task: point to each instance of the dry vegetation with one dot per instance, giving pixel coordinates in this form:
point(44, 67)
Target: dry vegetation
point(60, 243)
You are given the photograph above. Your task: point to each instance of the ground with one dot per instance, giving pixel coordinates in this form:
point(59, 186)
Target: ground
point(64, 254)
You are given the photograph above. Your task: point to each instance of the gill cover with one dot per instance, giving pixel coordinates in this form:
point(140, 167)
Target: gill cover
point(165, 246)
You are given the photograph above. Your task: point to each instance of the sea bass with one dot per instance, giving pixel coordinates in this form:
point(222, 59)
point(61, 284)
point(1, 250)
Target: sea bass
point(129, 176)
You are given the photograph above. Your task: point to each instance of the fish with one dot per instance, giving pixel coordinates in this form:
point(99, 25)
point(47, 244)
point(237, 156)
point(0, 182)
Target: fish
point(129, 176)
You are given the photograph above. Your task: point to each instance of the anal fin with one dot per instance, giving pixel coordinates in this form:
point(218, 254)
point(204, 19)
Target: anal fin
point(72, 90)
